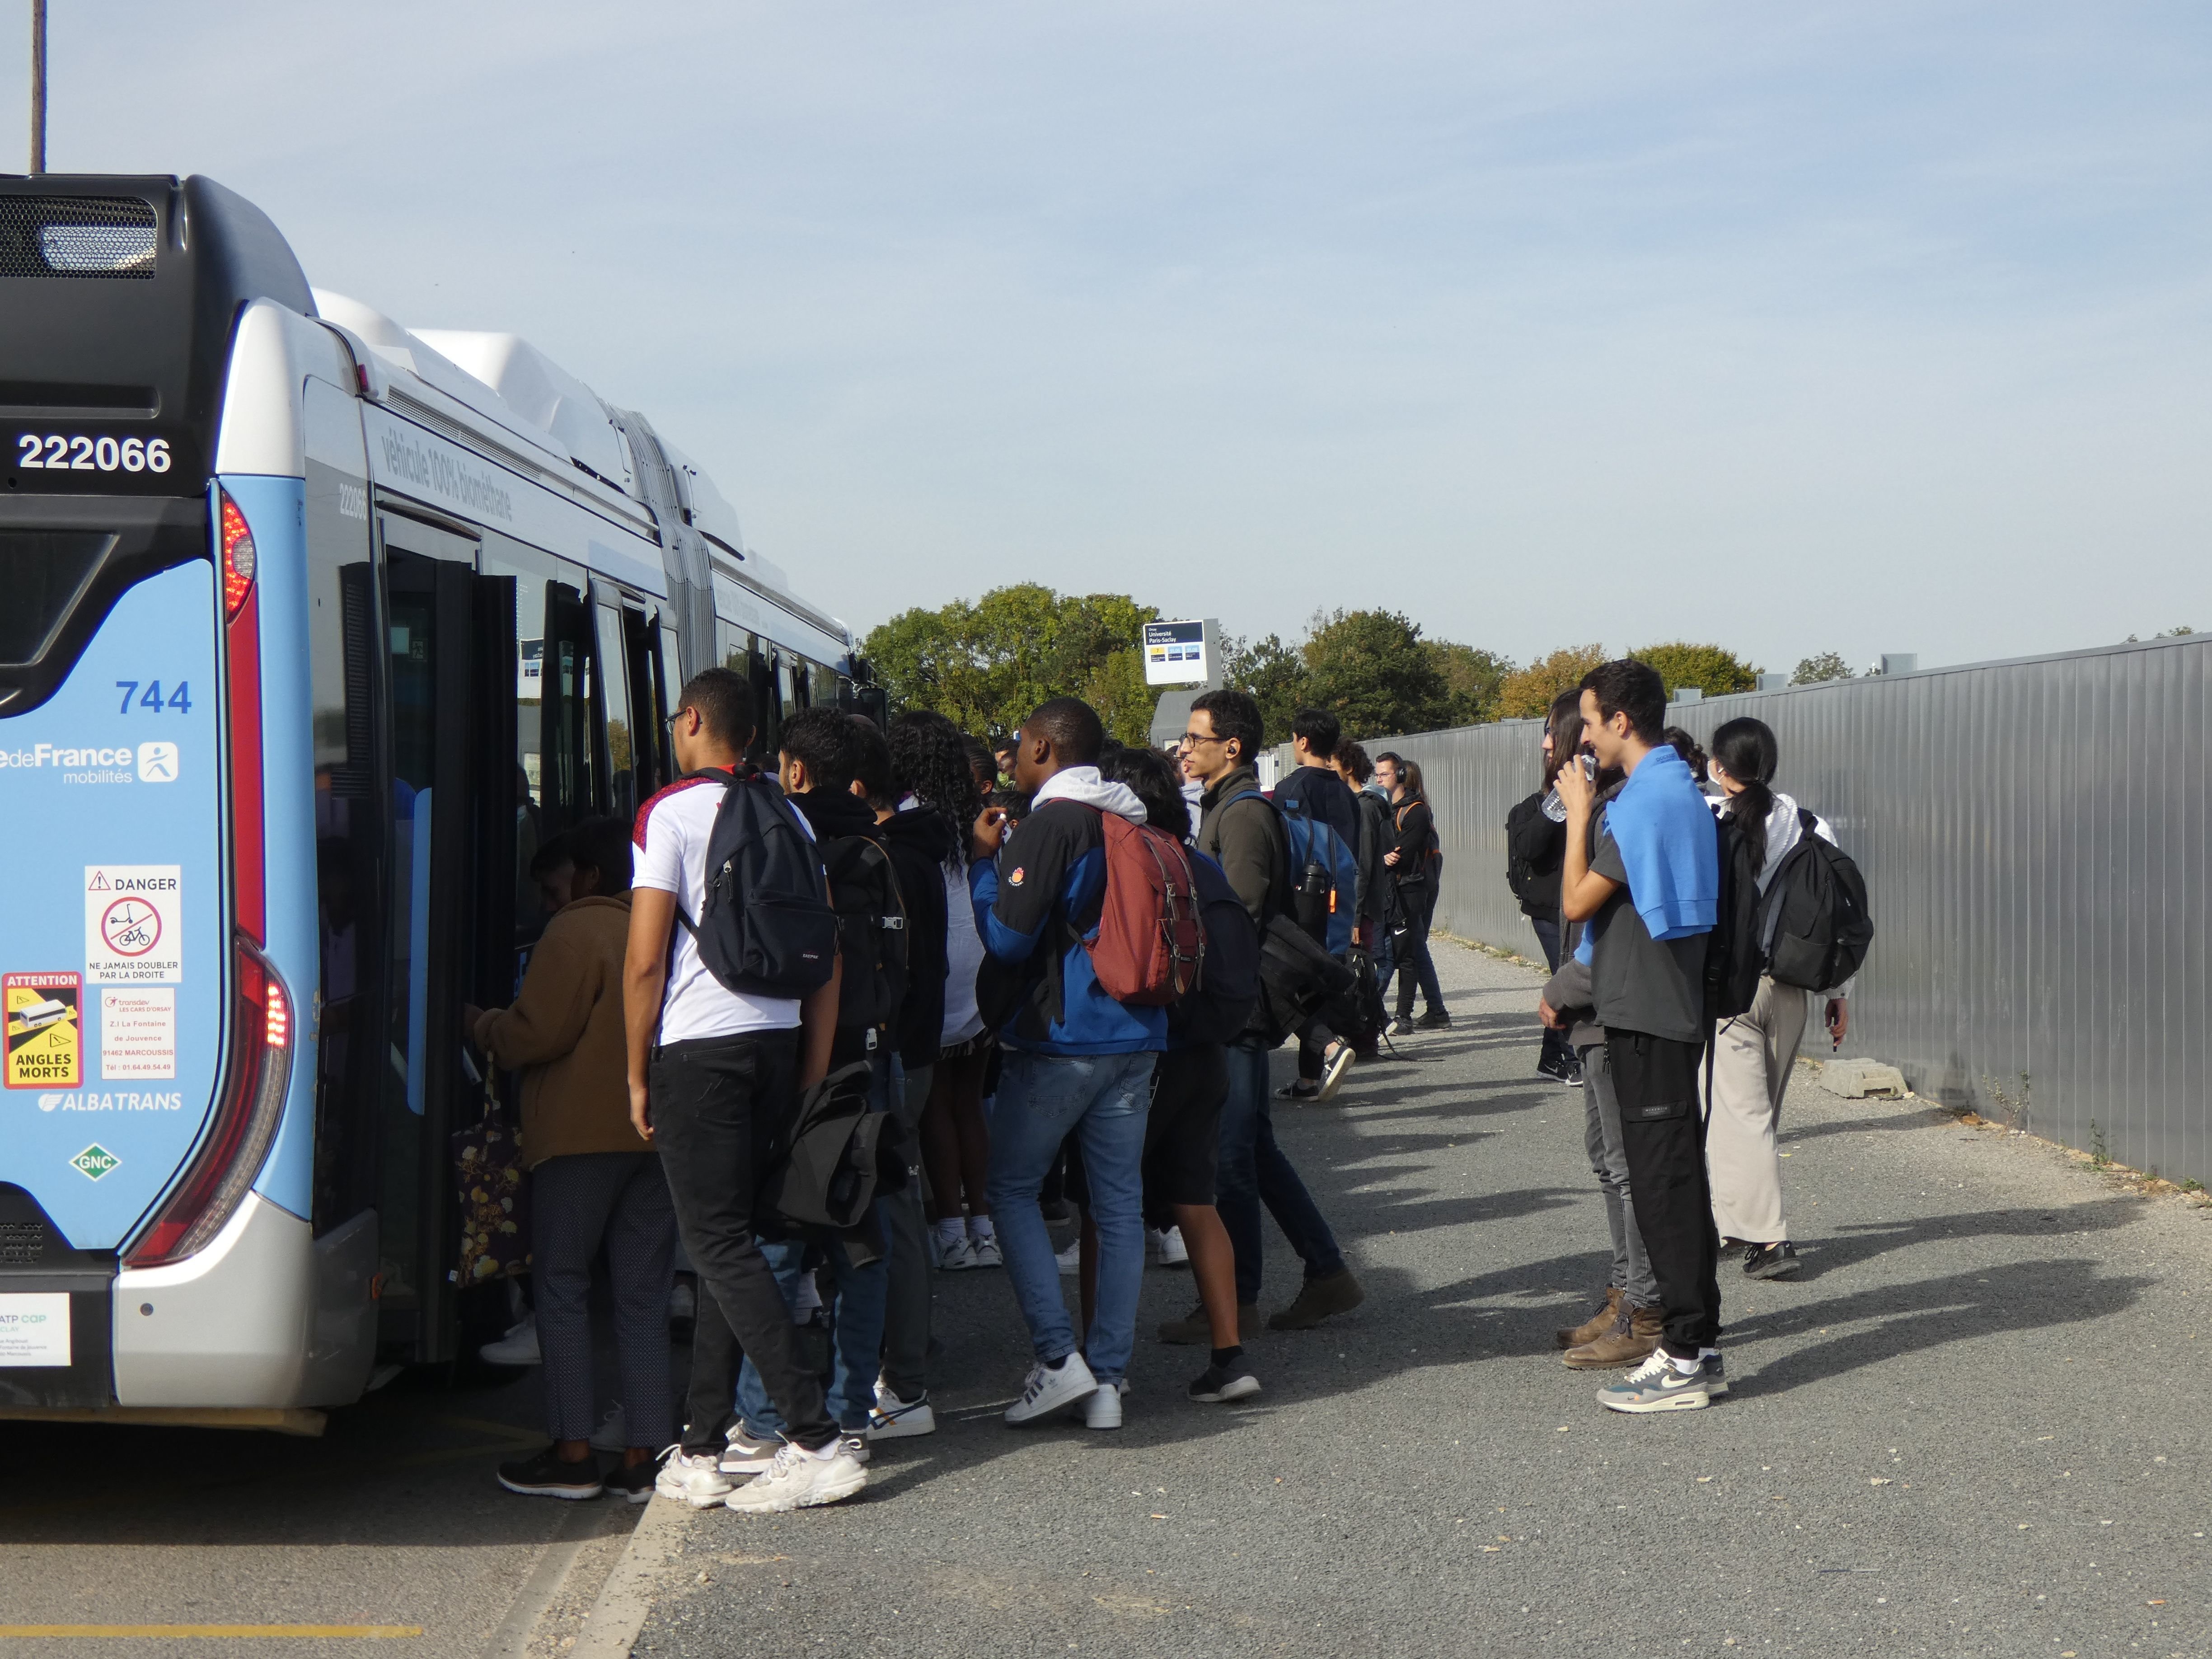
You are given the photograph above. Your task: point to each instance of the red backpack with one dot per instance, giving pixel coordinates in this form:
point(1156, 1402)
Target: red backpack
point(1151, 946)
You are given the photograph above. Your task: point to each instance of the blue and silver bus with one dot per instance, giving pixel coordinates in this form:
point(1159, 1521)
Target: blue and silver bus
point(312, 630)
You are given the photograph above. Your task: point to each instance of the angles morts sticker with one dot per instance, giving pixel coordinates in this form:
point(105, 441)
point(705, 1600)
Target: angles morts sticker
point(46, 1030)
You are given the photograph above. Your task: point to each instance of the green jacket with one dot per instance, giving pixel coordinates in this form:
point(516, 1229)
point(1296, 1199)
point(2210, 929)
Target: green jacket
point(1247, 841)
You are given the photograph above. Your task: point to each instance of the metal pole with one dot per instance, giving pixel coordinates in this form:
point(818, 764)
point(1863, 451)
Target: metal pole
point(38, 86)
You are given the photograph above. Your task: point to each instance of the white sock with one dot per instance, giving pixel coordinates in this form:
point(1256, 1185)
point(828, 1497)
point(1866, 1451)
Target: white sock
point(980, 1228)
point(1708, 1353)
point(1687, 1367)
point(951, 1230)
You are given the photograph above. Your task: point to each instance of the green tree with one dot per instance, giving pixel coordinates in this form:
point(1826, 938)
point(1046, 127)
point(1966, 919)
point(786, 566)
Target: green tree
point(1527, 693)
point(1275, 676)
point(986, 664)
point(1117, 690)
point(1369, 669)
point(1474, 679)
point(1819, 670)
point(1708, 667)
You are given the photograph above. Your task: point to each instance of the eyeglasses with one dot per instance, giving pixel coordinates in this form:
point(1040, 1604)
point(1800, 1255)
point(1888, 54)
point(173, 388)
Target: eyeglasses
point(1189, 738)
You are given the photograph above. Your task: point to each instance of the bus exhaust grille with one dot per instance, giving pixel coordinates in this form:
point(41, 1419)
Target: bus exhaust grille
point(76, 236)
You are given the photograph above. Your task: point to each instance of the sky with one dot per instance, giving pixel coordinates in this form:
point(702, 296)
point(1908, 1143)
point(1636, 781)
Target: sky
point(1856, 328)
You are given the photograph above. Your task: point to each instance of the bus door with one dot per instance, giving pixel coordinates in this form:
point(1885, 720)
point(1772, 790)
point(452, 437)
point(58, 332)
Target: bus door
point(451, 674)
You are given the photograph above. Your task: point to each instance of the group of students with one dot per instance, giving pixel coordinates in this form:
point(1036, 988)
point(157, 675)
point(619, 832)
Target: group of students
point(706, 1072)
point(1687, 935)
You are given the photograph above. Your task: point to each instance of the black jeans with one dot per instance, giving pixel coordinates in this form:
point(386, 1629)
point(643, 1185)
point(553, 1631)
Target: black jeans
point(1557, 1050)
point(717, 1105)
point(1417, 904)
point(1663, 1133)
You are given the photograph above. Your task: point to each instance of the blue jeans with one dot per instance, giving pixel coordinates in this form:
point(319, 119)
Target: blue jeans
point(1253, 1171)
point(856, 1315)
point(1102, 1099)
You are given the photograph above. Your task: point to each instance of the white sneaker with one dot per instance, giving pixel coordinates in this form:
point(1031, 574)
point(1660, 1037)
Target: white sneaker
point(1332, 1079)
point(959, 1255)
point(1167, 1248)
point(1053, 1388)
point(613, 1433)
point(801, 1480)
point(1103, 1409)
point(1071, 1259)
point(987, 1251)
point(895, 1419)
point(683, 1303)
point(693, 1479)
point(745, 1455)
point(518, 1347)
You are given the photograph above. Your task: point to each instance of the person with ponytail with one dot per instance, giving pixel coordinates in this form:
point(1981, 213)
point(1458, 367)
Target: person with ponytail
point(1753, 1054)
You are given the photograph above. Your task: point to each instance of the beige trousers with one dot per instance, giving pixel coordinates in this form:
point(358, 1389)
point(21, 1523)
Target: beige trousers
point(1753, 1056)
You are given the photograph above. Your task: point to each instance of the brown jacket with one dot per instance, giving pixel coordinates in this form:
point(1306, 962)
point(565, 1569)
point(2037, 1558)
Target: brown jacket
point(564, 1034)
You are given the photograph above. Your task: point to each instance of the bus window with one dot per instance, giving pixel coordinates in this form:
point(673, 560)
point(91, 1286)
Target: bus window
point(568, 748)
point(530, 574)
point(342, 631)
point(767, 708)
point(648, 737)
point(614, 695)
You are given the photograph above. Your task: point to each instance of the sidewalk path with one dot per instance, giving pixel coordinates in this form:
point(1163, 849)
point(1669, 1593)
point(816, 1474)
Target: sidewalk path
point(1978, 1424)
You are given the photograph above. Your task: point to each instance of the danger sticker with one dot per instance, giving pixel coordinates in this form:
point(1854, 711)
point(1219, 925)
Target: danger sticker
point(133, 924)
point(46, 1030)
point(137, 1033)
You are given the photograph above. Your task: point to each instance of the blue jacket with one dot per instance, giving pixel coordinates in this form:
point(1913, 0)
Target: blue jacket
point(1035, 907)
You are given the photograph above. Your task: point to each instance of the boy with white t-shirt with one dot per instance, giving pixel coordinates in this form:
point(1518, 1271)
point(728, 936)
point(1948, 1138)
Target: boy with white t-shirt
point(714, 1074)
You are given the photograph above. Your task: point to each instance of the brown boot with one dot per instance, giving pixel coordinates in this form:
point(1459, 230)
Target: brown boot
point(1629, 1340)
point(1596, 1326)
point(1194, 1329)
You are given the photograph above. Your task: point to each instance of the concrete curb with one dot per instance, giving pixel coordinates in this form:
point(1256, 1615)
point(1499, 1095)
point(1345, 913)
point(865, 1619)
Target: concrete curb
point(626, 1598)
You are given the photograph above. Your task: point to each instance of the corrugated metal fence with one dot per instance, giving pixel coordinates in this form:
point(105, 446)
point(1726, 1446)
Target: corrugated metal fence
point(2037, 850)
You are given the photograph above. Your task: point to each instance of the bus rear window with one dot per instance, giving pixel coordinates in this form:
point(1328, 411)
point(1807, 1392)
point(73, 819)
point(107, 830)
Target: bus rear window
point(42, 573)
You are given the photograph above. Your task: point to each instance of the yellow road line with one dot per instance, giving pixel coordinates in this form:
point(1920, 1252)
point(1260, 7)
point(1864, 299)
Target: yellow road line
point(224, 1631)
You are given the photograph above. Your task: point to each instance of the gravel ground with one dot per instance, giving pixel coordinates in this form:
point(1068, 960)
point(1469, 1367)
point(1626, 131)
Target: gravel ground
point(1976, 1423)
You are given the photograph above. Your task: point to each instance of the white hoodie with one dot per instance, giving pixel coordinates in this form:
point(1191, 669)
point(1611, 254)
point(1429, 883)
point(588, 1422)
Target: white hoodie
point(1083, 785)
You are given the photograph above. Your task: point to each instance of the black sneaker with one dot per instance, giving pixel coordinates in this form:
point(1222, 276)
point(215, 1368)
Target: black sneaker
point(1771, 1260)
point(1572, 1077)
point(546, 1476)
point(1301, 1090)
point(634, 1480)
point(1401, 1026)
point(1435, 1020)
point(1220, 1384)
point(1551, 1066)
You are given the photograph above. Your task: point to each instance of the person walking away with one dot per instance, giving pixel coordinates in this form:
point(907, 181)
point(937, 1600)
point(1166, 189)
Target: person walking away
point(1076, 1061)
point(1314, 788)
point(1649, 886)
point(714, 1079)
point(1240, 829)
point(1414, 861)
point(1371, 893)
point(820, 754)
point(1755, 1053)
point(925, 845)
point(1624, 1330)
point(1535, 845)
point(594, 1180)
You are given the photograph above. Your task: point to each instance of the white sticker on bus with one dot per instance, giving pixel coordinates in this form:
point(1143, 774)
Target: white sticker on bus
point(34, 1328)
point(133, 924)
point(137, 1032)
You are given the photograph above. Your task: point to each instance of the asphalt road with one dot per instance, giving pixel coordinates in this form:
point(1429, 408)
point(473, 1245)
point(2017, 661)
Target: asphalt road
point(1976, 1424)
point(391, 1520)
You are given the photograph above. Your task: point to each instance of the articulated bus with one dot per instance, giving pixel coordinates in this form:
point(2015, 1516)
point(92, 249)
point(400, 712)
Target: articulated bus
point(312, 630)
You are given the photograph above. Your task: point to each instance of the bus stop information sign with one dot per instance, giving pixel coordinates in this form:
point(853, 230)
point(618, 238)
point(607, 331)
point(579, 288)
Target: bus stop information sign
point(1178, 653)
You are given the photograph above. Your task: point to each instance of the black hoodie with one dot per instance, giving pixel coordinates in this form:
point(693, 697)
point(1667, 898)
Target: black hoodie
point(920, 844)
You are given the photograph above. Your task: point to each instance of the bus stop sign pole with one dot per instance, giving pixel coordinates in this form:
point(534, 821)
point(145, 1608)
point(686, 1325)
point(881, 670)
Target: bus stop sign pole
point(38, 86)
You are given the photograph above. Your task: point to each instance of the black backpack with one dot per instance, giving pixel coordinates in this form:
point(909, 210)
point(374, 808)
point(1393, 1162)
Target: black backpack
point(1733, 961)
point(766, 928)
point(870, 913)
point(1298, 977)
point(1219, 1006)
point(1519, 872)
point(837, 1157)
point(1814, 915)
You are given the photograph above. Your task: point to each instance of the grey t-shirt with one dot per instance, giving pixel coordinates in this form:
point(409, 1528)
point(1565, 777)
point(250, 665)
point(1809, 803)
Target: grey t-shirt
point(1640, 983)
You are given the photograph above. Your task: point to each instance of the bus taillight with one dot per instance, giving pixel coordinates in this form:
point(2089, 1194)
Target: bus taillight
point(238, 558)
point(248, 1109)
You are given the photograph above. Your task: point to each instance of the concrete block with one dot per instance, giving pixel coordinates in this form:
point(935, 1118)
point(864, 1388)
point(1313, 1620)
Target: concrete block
point(1857, 1079)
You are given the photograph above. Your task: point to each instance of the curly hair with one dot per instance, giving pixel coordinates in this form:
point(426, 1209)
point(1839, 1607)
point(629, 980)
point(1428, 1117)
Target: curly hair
point(929, 760)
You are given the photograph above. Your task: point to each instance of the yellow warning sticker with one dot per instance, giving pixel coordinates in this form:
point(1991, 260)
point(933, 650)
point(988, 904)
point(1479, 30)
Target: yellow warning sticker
point(46, 1030)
